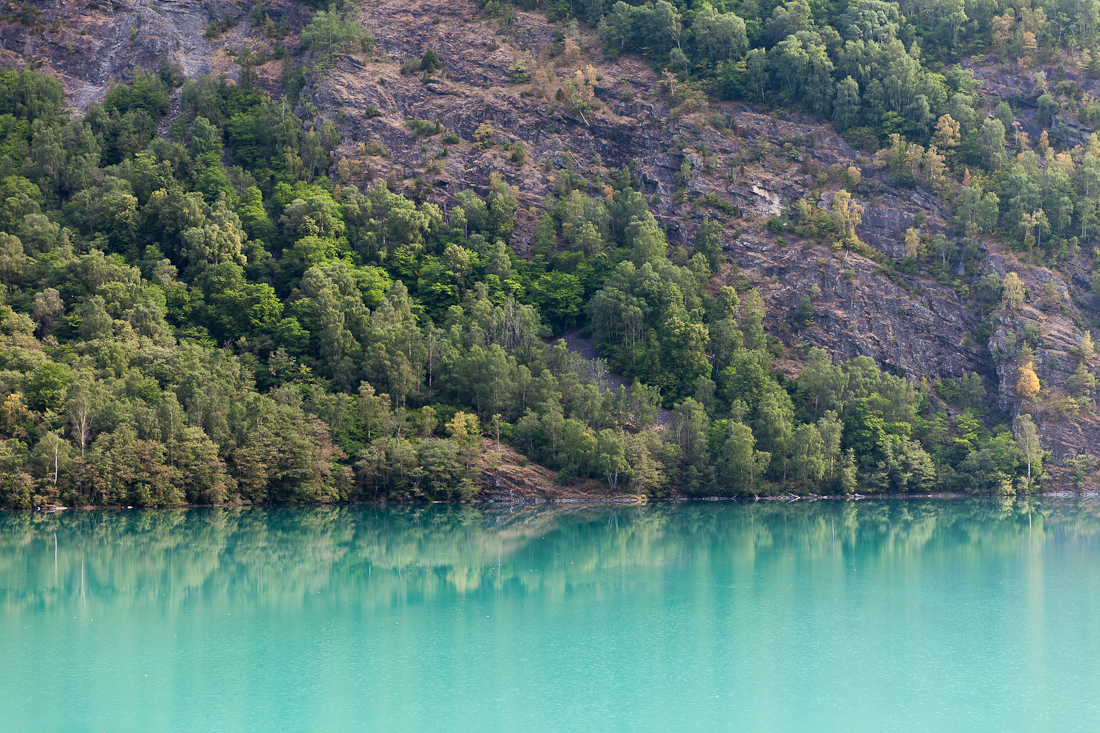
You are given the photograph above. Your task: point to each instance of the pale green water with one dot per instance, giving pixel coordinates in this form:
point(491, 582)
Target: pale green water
point(869, 616)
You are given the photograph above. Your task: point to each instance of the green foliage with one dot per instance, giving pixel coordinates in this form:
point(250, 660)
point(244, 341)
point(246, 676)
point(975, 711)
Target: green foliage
point(708, 243)
point(47, 386)
point(517, 73)
point(331, 33)
point(519, 154)
point(421, 128)
point(803, 314)
point(29, 95)
point(210, 319)
point(430, 63)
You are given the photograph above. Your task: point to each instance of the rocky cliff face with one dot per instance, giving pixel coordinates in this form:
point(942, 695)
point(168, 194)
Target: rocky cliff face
point(90, 44)
point(859, 313)
point(1067, 427)
point(506, 477)
point(742, 172)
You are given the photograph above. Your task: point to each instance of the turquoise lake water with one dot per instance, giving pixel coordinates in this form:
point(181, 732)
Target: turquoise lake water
point(832, 616)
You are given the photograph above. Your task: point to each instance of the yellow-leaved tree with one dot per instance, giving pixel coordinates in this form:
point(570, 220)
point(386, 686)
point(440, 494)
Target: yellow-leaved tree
point(580, 90)
point(1027, 386)
point(1013, 295)
point(912, 243)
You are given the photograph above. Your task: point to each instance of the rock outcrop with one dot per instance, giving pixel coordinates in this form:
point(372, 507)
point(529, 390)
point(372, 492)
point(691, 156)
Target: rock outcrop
point(507, 478)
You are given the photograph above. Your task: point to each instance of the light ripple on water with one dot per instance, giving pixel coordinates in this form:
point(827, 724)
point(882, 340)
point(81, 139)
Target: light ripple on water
point(869, 616)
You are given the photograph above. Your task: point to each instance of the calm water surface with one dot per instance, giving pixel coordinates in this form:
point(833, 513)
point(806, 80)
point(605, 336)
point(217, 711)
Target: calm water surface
point(868, 616)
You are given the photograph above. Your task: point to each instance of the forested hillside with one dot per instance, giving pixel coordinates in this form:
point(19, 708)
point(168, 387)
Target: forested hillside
point(245, 290)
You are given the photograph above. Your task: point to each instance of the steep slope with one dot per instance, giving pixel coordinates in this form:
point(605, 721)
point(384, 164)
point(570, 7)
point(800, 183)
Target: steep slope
point(89, 45)
point(913, 325)
point(858, 315)
point(724, 161)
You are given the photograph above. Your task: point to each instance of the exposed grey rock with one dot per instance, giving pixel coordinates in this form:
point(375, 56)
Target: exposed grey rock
point(884, 229)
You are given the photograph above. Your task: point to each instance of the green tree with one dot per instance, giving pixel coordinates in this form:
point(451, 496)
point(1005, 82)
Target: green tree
point(48, 387)
point(13, 262)
point(758, 71)
point(773, 428)
point(992, 145)
point(205, 142)
point(721, 35)
point(430, 62)
point(559, 296)
point(708, 242)
point(53, 455)
point(1027, 440)
point(1082, 383)
point(808, 462)
point(330, 33)
point(846, 107)
point(1013, 291)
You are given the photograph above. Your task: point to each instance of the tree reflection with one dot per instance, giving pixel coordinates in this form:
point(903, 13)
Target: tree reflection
point(368, 557)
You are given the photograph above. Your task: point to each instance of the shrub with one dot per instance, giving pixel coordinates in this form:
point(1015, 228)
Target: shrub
point(430, 62)
point(422, 128)
point(519, 154)
point(330, 33)
point(517, 73)
point(484, 136)
point(720, 204)
point(804, 312)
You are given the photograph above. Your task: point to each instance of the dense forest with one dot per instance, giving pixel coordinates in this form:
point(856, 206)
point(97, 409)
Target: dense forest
point(217, 314)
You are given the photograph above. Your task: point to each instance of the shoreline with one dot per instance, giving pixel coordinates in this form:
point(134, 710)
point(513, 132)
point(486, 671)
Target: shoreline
point(567, 500)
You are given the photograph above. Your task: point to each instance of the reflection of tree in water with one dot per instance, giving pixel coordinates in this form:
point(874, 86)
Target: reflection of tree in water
point(372, 556)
